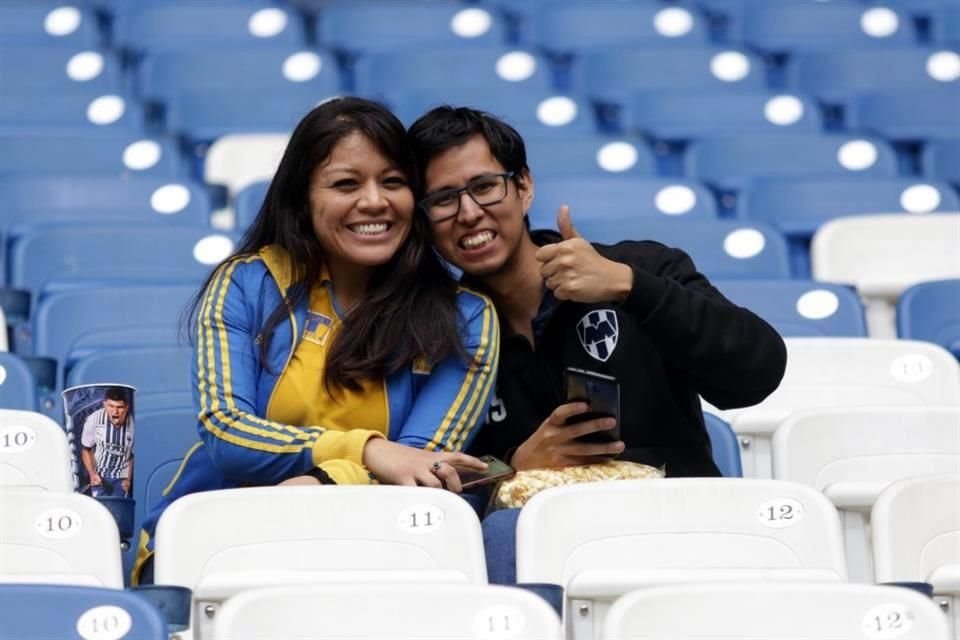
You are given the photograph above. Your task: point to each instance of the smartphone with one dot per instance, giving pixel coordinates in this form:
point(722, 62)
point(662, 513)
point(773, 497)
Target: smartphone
point(496, 471)
point(602, 393)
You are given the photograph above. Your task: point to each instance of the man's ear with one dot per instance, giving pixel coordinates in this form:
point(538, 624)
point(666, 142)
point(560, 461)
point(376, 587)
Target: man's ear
point(525, 189)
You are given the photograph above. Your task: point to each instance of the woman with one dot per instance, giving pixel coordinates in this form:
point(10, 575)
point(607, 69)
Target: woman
point(335, 326)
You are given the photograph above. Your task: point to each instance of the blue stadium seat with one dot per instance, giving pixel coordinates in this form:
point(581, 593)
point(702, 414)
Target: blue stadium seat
point(946, 25)
point(571, 27)
point(402, 25)
point(719, 248)
point(217, 91)
point(160, 374)
point(791, 26)
point(133, 200)
point(800, 308)
point(531, 112)
point(180, 24)
point(690, 115)
point(612, 75)
point(614, 197)
point(18, 387)
point(726, 449)
point(729, 162)
point(586, 156)
point(43, 70)
point(48, 23)
point(931, 311)
point(105, 153)
point(248, 202)
point(64, 112)
point(917, 115)
point(43, 612)
point(494, 69)
point(941, 159)
point(60, 257)
point(836, 76)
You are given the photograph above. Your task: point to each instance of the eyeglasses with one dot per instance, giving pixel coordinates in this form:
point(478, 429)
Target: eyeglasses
point(485, 190)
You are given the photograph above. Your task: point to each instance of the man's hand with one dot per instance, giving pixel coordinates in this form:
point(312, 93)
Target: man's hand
point(125, 484)
point(575, 271)
point(394, 463)
point(554, 443)
point(95, 479)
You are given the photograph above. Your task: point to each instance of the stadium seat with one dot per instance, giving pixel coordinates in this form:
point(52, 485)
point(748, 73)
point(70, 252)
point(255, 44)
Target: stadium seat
point(213, 92)
point(728, 529)
point(70, 256)
point(67, 112)
point(18, 388)
point(729, 162)
point(799, 308)
point(884, 255)
point(495, 69)
point(180, 25)
point(276, 536)
point(691, 115)
point(852, 454)
point(719, 248)
point(248, 202)
point(131, 201)
point(48, 23)
point(723, 442)
point(410, 612)
point(913, 116)
point(941, 159)
point(571, 27)
point(931, 311)
point(161, 375)
point(105, 153)
point(946, 25)
point(42, 70)
point(793, 26)
point(42, 612)
point(612, 75)
point(827, 373)
point(916, 537)
point(774, 612)
point(609, 198)
point(835, 76)
point(550, 156)
point(58, 538)
point(237, 161)
point(34, 452)
point(532, 112)
point(405, 25)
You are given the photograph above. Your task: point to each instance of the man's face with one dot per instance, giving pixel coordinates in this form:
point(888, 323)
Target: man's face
point(116, 411)
point(478, 240)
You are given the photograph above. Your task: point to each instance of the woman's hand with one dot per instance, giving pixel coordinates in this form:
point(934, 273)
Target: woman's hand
point(555, 444)
point(394, 463)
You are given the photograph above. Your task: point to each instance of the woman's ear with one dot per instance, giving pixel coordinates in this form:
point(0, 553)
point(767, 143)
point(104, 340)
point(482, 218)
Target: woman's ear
point(525, 189)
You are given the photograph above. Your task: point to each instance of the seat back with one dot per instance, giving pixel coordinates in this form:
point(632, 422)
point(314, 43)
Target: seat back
point(723, 442)
point(48, 24)
point(34, 452)
point(931, 311)
point(58, 538)
point(930, 113)
point(552, 156)
point(941, 159)
point(18, 387)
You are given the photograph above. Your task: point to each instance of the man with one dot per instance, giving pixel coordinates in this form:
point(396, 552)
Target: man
point(107, 445)
point(637, 311)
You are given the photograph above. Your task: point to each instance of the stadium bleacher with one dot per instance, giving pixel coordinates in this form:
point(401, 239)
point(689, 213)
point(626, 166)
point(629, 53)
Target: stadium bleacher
point(805, 153)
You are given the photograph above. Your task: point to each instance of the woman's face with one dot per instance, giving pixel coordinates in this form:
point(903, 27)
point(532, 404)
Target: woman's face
point(360, 203)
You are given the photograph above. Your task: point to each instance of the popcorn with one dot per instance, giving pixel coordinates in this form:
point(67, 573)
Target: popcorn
point(514, 493)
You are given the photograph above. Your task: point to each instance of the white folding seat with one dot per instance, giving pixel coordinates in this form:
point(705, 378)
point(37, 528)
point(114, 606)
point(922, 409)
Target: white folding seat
point(57, 538)
point(219, 543)
point(852, 454)
point(34, 452)
point(239, 160)
point(772, 611)
point(364, 611)
point(602, 540)
point(916, 537)
point(844, 372)
point(884, 255)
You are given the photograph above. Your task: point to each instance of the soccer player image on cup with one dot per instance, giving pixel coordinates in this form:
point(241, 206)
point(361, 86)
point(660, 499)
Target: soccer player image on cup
point(107, 445)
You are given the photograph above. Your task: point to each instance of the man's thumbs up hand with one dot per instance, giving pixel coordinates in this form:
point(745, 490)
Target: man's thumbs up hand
point(574, 270)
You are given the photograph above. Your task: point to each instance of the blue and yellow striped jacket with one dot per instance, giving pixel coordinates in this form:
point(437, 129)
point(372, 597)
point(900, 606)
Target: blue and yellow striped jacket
point(436, 410)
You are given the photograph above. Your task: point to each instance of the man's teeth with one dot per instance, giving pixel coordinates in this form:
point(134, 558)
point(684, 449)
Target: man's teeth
point(369, 229)
point(478, 240)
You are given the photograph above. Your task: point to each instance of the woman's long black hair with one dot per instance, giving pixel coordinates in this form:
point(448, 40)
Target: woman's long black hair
point(409, 310)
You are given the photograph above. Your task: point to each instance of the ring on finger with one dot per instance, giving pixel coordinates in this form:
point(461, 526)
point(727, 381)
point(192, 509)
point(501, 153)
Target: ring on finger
point(436, 466)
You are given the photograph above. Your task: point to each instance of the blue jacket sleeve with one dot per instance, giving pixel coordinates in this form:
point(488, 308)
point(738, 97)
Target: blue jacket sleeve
point(243, 445)
point(455, 399)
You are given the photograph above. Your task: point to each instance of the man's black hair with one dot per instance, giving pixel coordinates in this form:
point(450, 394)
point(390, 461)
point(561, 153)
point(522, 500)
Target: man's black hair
point(117, 394)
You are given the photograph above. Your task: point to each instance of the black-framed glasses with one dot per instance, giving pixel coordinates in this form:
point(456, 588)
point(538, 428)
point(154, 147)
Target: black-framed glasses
point(485, 190)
